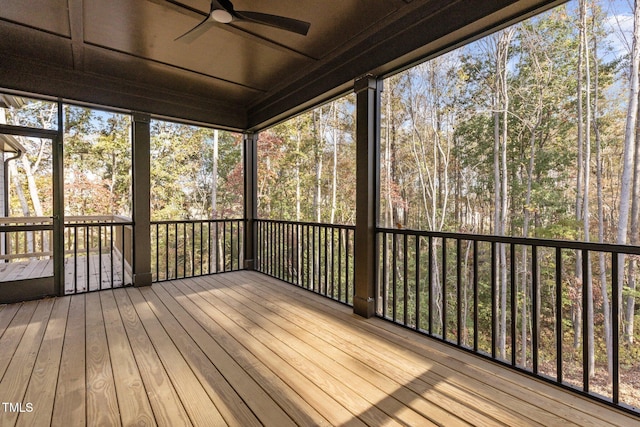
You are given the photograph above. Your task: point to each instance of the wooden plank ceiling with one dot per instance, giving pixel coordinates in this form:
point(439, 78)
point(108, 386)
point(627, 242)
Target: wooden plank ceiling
point(123, 53)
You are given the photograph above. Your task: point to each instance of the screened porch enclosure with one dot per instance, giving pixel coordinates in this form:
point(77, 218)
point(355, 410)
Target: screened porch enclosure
point(157, 268)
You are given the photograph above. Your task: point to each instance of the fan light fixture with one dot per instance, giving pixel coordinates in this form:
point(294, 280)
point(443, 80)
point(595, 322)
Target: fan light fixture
point(221, 16)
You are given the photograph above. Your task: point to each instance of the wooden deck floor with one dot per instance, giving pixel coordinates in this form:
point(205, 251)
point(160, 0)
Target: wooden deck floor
point(244, 349)
point(80, 274)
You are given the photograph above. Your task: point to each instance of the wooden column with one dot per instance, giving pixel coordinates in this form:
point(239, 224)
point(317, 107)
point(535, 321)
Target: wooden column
point(250, 198)
point(141, 141)
point(367, 91)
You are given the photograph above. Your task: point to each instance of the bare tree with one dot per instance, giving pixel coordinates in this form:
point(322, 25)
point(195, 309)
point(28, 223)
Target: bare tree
point(629, 158)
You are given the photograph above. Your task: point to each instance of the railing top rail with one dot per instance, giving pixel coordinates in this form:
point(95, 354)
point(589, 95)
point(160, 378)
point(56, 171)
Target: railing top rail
point(96, 224)
point(528, 241)
point(96, 218)
point(19, 228)
point(312, 224)
point(190, 221)
point(25, 220)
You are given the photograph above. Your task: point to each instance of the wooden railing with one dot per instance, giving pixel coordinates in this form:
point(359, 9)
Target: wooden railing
point(98, 252)
point(98, 249)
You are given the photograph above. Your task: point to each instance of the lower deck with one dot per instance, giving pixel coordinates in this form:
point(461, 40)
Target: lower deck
point(81, 273)
point(245, 349)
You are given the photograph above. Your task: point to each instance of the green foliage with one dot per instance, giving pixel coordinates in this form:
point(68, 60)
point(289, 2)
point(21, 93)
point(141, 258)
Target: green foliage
point(182, 162)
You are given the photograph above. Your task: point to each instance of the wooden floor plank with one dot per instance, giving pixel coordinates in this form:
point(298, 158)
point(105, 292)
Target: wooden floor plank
point(16, 380)
point(195, 399)
point(304, 363)
point(7, 313)
point(165, 402)
point(44, 378)
point(280, 391)
point(70, 401)
point(503, 384)
point(13, 334)
point(133, 401)
point(250, 350)
point(340, 349)
point(459, 402)
point(102, 403)
point(231, 402)
point(377, 389)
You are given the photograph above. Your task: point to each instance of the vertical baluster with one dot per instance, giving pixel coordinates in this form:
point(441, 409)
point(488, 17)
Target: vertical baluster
point(333, 261)
point(166, 252)
point(346, 242)
point(175, 236)
point(224, 246)
point(184, 249)
point(307, 259)
point(340, 231)
point(313, 255)
point(444, 289)
point(512, 286)
point(385, 282)
point(430, 262)
point(534, 306)
point(417, 264)
point(405, 273)
point(559, 329)
point(75, 257)
point(475, 295)
point(326, 260)
point(585, 320)
point(459, 289)
point(394, 254)
point(157, 230)
point(494, 295)
point(111, 256)
point(615, 326)
point(88, 254)
point(99, 256)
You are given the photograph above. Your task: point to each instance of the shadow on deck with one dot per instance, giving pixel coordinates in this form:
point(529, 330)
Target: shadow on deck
point(245, 349)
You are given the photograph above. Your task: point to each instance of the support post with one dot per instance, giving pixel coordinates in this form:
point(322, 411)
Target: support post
point(367, 90)
point(250, 198)
point(141, 141)
point(58, 203)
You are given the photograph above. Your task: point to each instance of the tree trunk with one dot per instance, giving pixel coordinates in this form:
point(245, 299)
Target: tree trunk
point(587, 282)
point(334, 182)
point(606, 309)
point(629, 154)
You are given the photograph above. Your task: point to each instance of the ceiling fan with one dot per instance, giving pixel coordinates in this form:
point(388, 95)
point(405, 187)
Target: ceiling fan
point(222, 12)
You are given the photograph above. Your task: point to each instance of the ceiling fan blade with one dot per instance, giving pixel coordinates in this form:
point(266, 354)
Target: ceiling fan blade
point(288, 24)
point(196, 31)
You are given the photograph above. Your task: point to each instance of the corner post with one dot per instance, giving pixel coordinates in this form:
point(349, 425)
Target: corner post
point(250, 198)
point(367, 89)
point(141, 144)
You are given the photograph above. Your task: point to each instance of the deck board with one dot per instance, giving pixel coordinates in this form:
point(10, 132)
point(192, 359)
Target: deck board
point(70, 401)
point(19, 373)
point(165, 402)
point(42, 385)
point(195, 399)
point(133, 402)
point(244, 349)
